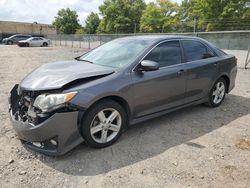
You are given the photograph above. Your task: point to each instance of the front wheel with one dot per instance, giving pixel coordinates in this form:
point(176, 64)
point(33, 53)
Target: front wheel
point(10, 42)
point(103, 123)
point(217, 93)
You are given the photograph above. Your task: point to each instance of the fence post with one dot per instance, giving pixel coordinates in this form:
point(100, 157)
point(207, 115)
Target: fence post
point(88, 41)
point(60, 39)
point(248, 51)
point(72, 43)
point(79, 42)
point(228, 45)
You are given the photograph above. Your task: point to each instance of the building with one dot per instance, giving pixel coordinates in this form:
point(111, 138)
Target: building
point(8, 28)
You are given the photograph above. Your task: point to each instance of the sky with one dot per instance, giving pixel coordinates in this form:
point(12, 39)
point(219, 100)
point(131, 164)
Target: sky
point(44, 11)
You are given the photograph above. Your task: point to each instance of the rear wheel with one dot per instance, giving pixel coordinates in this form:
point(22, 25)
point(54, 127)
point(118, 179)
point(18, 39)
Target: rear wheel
point(217, 93)
point(103, 123)
point(45, 44)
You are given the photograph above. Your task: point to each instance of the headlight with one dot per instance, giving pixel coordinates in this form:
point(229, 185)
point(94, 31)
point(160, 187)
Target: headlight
point(48, 102)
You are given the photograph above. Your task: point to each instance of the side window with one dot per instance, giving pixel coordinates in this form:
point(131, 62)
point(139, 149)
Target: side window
point(166, 54)
point(195, 50)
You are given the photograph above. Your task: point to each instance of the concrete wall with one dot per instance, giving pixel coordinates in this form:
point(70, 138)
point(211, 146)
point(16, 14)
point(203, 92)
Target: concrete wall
point(26, 28)
point(239, 40)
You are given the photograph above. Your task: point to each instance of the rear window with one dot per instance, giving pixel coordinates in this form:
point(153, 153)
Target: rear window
point(195, 50)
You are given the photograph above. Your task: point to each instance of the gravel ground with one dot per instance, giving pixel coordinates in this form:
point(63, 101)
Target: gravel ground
point(197, 146)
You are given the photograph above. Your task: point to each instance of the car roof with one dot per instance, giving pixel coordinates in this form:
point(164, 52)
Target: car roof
point(21, 35)
point(157, 38)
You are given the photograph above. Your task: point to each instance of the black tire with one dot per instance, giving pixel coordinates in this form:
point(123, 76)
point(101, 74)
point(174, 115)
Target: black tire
point(45, 44)
point(9, 42)
point(91, 114)
point(211, 101)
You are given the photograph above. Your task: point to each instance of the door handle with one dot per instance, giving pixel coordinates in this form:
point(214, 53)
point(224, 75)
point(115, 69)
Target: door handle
point(180, 72)
point(215, 64)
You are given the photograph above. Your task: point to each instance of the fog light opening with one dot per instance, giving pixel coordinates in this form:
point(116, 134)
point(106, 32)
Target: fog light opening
point(54, 142)
point(37, 144)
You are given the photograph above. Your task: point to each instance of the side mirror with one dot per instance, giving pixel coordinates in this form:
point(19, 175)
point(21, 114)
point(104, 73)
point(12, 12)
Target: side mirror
point(78, 57)
point(147, 65)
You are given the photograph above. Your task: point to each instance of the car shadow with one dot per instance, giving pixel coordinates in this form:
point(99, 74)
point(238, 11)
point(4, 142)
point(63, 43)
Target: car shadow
point(151, 138)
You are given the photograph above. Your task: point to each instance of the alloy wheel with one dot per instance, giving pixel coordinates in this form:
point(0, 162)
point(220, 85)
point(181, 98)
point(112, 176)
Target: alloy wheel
point(106, 125)
point(218, 92)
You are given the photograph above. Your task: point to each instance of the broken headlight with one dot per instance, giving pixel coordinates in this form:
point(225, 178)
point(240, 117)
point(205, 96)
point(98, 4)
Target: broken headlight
point(49, 102)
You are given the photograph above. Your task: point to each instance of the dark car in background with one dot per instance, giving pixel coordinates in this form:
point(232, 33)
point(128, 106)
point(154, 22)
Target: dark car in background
point(14, 39)
point(125, 81)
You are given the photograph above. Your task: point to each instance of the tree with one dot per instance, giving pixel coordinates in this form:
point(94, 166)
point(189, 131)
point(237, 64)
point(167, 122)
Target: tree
point(121, 16)
point(66, 21)
point(161, 16)
point(92, 22)
point(80, 31)
point(216, 14)
point(152, 19)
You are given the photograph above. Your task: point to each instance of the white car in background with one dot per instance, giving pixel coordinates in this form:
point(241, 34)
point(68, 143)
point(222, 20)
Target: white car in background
point(34, 41)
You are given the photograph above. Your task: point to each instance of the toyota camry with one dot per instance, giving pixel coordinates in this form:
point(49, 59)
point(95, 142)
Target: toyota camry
point(125, 81)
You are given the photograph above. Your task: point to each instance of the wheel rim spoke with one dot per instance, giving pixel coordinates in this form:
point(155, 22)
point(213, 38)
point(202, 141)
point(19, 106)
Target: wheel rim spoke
point(114, 127)
point(221, 95)
point(221, 88)
point(112, 116)
point(214, 93)
point(104, 136)
point(96, 129)
point(101, 116)
point(215, 98)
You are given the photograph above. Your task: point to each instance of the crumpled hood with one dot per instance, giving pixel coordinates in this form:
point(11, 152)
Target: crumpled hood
point(55, 75)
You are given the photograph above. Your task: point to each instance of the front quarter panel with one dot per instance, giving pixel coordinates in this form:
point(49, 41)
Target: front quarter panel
point(117, 84)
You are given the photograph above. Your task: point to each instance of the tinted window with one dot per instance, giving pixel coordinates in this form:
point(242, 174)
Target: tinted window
point(166, 54)
point(195, 50)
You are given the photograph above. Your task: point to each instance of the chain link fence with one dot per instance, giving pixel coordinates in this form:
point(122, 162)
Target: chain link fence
point(233, 40)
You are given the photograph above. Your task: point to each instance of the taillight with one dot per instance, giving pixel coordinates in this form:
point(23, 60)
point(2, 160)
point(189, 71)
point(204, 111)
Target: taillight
point(236, 60)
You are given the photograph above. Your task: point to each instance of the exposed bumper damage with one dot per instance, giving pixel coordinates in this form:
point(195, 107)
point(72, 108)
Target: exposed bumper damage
point(52, 134)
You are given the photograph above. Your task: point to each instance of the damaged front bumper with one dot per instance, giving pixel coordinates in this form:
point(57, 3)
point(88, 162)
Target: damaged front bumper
point(55, 136)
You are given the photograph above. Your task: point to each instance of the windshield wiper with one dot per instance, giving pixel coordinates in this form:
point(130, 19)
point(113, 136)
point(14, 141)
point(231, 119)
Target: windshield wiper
point(78, 59)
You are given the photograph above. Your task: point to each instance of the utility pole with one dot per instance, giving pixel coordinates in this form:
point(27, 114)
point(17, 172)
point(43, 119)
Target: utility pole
point(162, 29)
point(195, 22)
point(135, 28)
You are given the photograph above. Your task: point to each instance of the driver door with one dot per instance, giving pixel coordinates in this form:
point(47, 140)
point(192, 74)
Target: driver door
point(164, 88)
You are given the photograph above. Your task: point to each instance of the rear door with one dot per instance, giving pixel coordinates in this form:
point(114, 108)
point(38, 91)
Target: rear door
point(201, 64)
point(35, 42)
point(164, 88)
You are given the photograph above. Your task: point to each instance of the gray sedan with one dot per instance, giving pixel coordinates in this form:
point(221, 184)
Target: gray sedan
point(34, 41)
point(128, 80)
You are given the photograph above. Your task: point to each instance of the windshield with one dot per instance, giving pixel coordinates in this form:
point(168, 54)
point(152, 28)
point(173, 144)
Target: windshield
point(116, 53)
